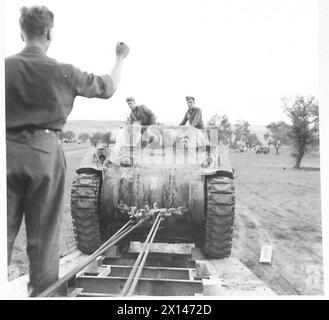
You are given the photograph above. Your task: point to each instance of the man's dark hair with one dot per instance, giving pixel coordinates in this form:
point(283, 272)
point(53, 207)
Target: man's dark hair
point(130, 99)
point(36, 20)
point(190, 98)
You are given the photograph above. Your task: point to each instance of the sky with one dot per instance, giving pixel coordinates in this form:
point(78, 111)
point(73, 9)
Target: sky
point(235, 57)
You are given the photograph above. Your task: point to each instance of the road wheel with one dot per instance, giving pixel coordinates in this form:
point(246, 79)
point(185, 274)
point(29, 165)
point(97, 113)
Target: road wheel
point(220, 217)
point(85, 199)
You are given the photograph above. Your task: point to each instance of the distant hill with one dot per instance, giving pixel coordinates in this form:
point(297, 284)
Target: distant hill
point(91, 126)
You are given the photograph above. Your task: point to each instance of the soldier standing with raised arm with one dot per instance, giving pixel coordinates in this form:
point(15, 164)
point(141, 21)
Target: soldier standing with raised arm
point(39, 97)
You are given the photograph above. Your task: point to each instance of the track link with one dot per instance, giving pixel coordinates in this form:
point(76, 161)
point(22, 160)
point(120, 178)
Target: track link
point(220, 202)
point(85, 204)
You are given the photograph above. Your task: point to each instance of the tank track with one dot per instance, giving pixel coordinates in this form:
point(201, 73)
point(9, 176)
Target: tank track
point(85, 202)
point(220, 202)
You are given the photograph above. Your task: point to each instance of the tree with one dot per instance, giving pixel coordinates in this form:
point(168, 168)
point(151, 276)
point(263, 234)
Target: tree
point(83, 137)
point(278, 134)
point(106, 138)
point(95, 138)
point(304, 114)
point(222, 124)
point(253, 140)
point(70, 135)
point(67, 136)
point(241, 132)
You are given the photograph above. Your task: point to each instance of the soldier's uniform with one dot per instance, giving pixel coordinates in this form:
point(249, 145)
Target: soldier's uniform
point(194, 117)
point(143, 115)
point(39, 96)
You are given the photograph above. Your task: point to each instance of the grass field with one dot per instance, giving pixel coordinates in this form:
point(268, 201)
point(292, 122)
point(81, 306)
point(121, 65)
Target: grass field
point(275, 205)
point(281, 207)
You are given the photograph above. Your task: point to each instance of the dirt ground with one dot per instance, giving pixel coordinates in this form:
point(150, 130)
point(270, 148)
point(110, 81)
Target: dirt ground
point(275, 205)
point(281, 207)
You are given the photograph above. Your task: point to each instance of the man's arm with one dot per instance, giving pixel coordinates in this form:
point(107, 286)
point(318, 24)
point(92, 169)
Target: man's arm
point(92, 86)
point(184, 120)
point(122, 51)
point(132, 117)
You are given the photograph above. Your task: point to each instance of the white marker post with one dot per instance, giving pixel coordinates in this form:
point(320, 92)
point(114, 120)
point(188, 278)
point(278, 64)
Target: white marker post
point(266, 254)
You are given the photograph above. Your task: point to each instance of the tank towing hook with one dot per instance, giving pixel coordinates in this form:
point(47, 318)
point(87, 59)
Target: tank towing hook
point(137, 214)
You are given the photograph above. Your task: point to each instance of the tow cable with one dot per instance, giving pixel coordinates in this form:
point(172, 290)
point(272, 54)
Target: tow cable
point(134, 275)
point(137, 218)
point(121, 233)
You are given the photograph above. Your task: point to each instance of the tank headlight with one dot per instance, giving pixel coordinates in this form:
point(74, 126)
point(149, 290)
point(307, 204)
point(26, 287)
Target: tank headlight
point(207, 162)
point(126, 161)
point(101, 158)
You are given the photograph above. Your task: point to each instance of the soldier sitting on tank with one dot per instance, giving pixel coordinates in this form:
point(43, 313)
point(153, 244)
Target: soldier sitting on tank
point(140, 113)
point(193, 114)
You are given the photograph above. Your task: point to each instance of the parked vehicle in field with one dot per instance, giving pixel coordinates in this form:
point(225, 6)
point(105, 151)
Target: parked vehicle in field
point(261, 149)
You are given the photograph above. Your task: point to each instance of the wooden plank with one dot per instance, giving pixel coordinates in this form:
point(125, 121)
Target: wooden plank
point(202, 269)
point(104, 271)
point(152, 272)
point(153, 260)
point(153, 287)
point(191, 273)
point(84, 294)
point(169, 248)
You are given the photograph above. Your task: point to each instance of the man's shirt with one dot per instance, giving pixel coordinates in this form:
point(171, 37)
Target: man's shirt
point(194, 116)
point(143, 115)
point(40, 91)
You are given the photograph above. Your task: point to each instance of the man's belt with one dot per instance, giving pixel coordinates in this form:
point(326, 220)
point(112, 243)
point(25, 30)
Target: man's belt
point(29, 129)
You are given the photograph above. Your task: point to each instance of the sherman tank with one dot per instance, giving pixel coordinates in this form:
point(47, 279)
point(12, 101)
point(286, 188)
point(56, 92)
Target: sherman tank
point(178, 168)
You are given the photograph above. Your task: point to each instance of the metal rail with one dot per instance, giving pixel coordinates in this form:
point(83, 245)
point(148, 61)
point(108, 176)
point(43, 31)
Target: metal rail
point(122, 232)
point(140, 268)
point(133, 278)
point(138, 217)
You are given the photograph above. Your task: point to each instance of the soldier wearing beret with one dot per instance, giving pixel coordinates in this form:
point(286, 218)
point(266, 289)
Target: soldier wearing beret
point(39, 95)
point(193, 114)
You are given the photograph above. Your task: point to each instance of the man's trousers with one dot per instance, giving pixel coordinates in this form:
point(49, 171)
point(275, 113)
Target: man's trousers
point(35, 188)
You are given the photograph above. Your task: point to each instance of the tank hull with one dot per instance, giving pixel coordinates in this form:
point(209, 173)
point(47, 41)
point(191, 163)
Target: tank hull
point(168, 187)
